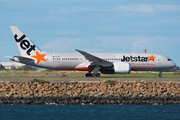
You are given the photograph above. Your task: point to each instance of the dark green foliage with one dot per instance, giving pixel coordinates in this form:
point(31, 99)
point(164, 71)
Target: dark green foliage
point(40, 81)
point(26, 69)
point(48, 70)
point(3, 69)
point(111, 82)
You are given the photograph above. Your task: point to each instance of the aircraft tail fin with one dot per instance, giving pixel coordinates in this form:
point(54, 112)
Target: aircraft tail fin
point(25, 45)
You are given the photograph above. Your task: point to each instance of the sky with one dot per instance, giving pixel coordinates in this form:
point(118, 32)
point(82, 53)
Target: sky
point(94, 26)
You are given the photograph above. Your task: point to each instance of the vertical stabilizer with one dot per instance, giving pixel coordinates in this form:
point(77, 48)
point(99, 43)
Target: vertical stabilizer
point(25, 45)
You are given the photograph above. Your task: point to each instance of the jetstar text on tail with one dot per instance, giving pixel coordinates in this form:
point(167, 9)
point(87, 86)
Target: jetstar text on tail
point(25, 45)
point(136, 59)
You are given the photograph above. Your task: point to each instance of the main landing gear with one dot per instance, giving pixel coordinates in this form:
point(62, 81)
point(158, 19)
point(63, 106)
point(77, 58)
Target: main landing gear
point(93, 74)
point(160, 75)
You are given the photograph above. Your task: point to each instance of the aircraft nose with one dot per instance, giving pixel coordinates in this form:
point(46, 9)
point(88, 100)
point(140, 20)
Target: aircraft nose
point(173, 64)
point(170, 65)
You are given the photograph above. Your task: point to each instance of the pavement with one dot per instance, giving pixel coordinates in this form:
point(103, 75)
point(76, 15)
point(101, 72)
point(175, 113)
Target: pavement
point(87, 79)
point(95, 77)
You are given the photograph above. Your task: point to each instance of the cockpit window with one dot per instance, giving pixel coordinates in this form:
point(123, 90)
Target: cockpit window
point(169, 59)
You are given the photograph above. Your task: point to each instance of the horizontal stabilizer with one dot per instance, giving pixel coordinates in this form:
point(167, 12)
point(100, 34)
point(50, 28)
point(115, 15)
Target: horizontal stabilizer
point(20, 58)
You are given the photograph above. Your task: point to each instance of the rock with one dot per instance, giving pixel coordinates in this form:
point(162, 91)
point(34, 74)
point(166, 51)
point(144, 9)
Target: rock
point(69, 92)
point(75, 95)
point(96, 93)
point(77, 101)
point(2, 89)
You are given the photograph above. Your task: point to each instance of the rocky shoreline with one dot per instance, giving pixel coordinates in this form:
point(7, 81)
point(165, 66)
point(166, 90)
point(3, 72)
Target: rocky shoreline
point(99, 93)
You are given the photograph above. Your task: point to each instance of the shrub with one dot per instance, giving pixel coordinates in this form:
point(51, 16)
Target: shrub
point(3, 69)
point(39, 81)
point(111, 82)
point(48, 70)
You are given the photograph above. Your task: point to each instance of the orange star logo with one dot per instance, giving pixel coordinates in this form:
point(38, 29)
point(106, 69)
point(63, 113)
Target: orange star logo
point(151, 58)
point(39, 57)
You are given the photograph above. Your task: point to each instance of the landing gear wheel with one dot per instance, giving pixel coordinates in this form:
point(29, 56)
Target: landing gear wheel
point(98, 75)
point(93, 75)
point(160, 75)
point(88, 74)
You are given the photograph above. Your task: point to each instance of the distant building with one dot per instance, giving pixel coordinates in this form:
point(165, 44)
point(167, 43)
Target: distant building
point(17, 66)
point(10, 65)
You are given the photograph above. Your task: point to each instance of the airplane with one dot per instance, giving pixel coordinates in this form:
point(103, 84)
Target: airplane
point(106, 63)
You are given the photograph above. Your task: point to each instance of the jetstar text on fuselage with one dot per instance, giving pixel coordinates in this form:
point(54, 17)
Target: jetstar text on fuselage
point(135, 59)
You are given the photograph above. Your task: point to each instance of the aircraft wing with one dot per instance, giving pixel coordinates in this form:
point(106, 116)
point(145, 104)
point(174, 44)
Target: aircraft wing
point(95, 60)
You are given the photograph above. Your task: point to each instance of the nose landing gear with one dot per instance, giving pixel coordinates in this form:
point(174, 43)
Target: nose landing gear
point(160, 75)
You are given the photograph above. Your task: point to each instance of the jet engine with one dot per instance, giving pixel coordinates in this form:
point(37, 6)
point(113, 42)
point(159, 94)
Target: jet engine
point(118, 68)
point(122, 68)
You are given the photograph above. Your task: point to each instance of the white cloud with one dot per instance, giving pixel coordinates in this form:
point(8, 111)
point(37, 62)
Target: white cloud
point(146, 8)
point(62, 32)
point(88, 9)
point(65, 10)
point(110, 28)
point(117, 43)
point(117, 40)
point(136, 43)
point(160, 45)
point(168, 7)
point(139, 42)
point(61, 44)
point(54, 18)
point(135, 8)
point(49, 45)
point(4, 0)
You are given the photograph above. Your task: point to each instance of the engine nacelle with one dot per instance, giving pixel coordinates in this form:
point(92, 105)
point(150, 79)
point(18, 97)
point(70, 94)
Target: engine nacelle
point(122, 68)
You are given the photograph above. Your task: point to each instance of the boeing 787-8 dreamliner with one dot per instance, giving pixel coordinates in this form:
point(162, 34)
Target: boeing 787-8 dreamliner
point(107, 63)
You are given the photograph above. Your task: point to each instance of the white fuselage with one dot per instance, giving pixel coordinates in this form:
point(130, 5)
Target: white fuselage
point(109, 63)
point(76, 61)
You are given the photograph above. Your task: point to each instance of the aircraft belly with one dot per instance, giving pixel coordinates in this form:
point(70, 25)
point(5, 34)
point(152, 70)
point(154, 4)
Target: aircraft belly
point(63, 65)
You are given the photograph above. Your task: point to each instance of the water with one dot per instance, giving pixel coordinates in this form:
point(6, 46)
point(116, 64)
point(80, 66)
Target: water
point(89, 112)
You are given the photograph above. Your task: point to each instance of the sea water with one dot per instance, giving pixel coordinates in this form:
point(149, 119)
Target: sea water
point(89, 112)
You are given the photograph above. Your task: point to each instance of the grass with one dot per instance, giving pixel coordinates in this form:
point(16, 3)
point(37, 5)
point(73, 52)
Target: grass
point(46, 73)
point(146, 74)
point(52, 73)
point(87, 79)
point(111, 82)
point(66, 76)
point(39, 81)
point(3, 69)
